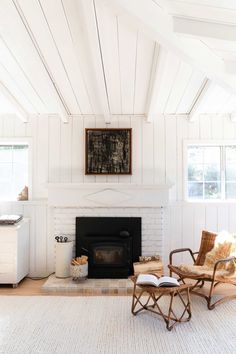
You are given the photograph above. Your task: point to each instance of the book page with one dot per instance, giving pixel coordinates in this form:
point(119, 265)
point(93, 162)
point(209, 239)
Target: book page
point(168, 281)
point(147, 279)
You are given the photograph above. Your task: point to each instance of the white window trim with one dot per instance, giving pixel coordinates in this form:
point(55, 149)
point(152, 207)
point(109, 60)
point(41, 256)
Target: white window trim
point(186, 143)
point(22, 140)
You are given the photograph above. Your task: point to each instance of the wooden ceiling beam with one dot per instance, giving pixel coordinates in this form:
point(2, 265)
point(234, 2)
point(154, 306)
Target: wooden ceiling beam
point(94, 52)
point(159, 60)
point(194, 110)
point(202, 28)
point(20, 111)
point(156, 21)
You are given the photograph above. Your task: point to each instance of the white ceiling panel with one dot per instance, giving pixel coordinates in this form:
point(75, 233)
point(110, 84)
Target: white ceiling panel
point(191, 92)
point(109, 27)
point(128, 43)
point(18, 77)
point(58, 21)
point(77, 25)
point(22, 48)
point(86, 56)
point(179, 88)
point(41, 26)
point(169, 70)
point(144, 60)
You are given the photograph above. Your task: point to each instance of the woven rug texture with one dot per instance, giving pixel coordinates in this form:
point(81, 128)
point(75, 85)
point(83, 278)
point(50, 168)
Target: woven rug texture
point(105, 325)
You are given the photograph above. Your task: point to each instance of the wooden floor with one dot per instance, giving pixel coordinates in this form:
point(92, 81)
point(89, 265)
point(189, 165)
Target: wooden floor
point(34, 287)
point(25, 287)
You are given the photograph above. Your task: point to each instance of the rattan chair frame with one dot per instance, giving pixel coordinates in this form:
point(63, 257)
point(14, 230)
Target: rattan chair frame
point(213, 279)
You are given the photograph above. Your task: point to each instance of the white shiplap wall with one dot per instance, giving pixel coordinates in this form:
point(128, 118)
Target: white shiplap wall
point(58, 156)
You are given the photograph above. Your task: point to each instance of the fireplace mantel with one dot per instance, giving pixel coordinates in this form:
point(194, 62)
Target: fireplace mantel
point(107, 195)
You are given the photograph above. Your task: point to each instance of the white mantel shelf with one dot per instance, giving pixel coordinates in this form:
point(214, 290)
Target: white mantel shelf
point(107, 195)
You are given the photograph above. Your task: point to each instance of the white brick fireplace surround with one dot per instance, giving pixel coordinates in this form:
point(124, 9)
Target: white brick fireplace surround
point(152, 223)
point(67, 201)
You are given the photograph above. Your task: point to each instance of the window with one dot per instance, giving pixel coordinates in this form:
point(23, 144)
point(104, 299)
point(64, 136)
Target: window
point(211, 171)
point(14, 174)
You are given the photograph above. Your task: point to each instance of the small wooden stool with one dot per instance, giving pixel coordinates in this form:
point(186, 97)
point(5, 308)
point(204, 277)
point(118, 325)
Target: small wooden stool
point(154, 294)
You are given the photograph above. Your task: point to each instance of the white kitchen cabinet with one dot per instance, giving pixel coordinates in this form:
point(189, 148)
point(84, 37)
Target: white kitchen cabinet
point(14, 252)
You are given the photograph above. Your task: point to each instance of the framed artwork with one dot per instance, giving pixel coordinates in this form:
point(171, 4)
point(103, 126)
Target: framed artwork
point(108, 151)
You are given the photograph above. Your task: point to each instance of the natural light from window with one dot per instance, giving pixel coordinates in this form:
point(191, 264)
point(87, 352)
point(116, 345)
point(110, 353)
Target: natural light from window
point(13, 170)
point(211, 172)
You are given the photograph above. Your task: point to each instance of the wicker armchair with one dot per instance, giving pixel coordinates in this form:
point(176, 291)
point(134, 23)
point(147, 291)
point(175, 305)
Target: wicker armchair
point(214, 278)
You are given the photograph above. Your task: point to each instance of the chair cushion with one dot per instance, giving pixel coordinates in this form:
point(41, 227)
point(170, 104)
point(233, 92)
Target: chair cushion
point(207, 243)
point(206, 272)
point(222, 249)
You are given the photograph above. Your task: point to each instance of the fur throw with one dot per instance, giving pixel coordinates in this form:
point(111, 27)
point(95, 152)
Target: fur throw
point(223, 248)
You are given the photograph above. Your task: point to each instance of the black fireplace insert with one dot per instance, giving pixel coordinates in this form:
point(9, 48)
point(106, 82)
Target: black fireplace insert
point(112, 244)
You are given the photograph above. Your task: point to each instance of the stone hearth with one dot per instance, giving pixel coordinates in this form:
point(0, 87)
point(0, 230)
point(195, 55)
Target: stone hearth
point(88, 286)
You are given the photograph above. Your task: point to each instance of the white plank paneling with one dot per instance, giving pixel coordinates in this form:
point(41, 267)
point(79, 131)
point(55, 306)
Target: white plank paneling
point(137, 144)
point(89, 122)
point(231, 218)
point(181, 133)
point(178, 89)
point(171, 163)
point(41, 146)
point(222, 218)
point(128, 41)
point(63, 41)
point(176, 230)
point(229, 130)
point(66, 152)
point(54, 146)
point(157, 157)
point(8, 125)
point(90, 24)
point(145, 52)
point(77, 158)
point(14, 36)
point(194, 129)
point(19, 77)
point(20, 127)
point(76, 25)
point(212, 218)
point(170, 70)
point(147, 153)
point(108, 25)
point(41, 28)
point(217, 127)
point(160, 150)
point(199, 225)
point(190, 93)
point(188, 232)
point(205, 126)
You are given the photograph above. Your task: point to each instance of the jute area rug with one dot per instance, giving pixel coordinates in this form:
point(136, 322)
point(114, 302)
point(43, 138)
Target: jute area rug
point(105, 325)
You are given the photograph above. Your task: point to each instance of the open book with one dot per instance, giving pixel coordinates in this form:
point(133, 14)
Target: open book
point(149, 279)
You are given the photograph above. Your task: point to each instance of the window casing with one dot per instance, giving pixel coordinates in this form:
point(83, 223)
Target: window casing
point(210, 171)
point(14, 169)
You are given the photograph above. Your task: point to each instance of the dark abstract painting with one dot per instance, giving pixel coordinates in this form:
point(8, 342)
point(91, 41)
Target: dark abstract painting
point(108, 151)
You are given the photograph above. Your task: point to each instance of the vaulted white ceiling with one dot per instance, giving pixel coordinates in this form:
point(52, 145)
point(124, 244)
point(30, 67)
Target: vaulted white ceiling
point(115, 57)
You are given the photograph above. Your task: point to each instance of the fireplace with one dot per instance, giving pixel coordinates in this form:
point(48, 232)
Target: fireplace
point(112, 244)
